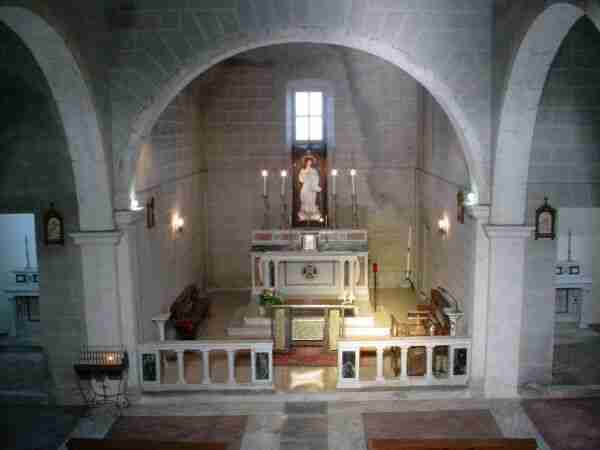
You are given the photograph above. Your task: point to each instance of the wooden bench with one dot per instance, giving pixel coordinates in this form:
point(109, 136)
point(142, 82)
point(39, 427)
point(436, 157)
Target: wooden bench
point(452, 444)
point(116, 444)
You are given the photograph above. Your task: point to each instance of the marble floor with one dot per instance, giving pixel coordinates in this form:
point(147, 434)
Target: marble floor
point(576, 355)
point(349, 424)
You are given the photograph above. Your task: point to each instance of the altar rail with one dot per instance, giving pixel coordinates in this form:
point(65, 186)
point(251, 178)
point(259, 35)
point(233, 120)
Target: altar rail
point(153, 361)
point(415, 361)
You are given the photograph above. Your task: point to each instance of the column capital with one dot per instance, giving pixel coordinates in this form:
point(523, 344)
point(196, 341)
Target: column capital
point(125, 218)
point(480, 212)
point(103, 238)
point(508, 231)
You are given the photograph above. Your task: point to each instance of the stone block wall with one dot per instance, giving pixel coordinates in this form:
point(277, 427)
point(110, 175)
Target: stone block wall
point(565, 157)
point(375, 128)
point(170, 170)
point(446, 260)
point(36, 169)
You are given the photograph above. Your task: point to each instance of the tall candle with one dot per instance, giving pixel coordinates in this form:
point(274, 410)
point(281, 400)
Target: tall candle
point(283, 178)
point(409, 236)
point(265, 174)
point(352, 175)
point(334, 173)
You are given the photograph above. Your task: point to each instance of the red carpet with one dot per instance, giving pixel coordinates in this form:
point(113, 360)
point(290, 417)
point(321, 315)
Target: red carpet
point(315, 356)
point(306, 356)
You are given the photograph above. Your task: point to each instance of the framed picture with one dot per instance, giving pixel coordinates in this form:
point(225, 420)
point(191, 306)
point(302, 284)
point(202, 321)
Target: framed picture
point(545, 221)
point(150, 216)
point(574, 270)
point(460, 207)
point(558, 270)
point(309, 204)
point(54, 229)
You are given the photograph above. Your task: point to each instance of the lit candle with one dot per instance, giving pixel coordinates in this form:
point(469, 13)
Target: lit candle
point(265, 174)
point(334, 173)
point(283, 178)
point(352, 175)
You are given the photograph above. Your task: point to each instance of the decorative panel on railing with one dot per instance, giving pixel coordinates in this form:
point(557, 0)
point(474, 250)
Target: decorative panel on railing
point(422, 361)
point(206, 364)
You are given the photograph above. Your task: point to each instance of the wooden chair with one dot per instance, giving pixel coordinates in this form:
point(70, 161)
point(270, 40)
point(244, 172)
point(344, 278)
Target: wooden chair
point(116, 444)
point(452, 444)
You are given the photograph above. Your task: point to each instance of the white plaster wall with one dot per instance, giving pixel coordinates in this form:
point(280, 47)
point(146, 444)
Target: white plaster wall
point(585, 226)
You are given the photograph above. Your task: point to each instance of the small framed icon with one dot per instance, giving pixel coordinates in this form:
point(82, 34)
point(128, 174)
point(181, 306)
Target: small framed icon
point(558, 270)
point(574, 270)
point(54, 230)
point(545, 221)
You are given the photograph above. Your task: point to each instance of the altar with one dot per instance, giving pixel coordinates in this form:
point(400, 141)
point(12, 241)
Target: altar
point(322, 263)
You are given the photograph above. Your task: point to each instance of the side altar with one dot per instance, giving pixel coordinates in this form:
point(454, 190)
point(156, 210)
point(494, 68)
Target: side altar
point(311, 263)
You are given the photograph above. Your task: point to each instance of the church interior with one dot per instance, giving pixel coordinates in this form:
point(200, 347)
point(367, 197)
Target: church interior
point(338, 224)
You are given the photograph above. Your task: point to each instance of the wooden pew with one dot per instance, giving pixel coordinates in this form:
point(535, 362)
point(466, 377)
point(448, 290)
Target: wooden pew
point(116, 444)
point(452, 444)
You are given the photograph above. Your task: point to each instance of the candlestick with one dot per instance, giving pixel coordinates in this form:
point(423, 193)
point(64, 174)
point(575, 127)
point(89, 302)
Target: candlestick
point(283, 178)
point(265, 174)
point(266, 224)
point(334, 173)
point(354, 210)
point(352, 175)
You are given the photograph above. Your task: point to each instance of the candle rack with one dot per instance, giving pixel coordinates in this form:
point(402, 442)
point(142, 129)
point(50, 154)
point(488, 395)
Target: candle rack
point(102, 376)
point(266, 221)
point(354, 211)
point(284, 214)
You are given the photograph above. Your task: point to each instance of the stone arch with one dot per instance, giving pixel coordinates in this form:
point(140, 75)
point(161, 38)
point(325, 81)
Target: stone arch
point(474, 149)
point(77, 112)
point(520, 107)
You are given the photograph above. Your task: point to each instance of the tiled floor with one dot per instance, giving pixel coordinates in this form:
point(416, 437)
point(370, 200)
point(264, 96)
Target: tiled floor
point(571, 424)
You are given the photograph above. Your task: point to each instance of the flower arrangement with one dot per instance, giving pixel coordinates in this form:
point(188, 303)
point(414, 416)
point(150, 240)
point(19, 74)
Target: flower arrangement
point(269, 298)
point(185, 328)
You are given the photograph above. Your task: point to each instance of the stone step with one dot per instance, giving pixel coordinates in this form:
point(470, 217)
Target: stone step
point(359, 321)
point(247, 331)
point(366, 332)
point(257, 321)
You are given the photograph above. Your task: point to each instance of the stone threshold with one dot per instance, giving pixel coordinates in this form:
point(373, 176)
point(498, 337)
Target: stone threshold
point(346, 395)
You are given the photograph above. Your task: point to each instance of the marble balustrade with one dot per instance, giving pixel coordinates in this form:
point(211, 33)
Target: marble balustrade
point(442, 361)
point(152, 361)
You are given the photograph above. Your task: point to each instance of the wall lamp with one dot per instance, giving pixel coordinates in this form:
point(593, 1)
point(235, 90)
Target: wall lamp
point(178, 223)
point(443, 226)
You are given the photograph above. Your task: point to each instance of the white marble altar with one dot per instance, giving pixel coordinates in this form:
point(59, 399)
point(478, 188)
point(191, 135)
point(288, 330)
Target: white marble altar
point(337, 268)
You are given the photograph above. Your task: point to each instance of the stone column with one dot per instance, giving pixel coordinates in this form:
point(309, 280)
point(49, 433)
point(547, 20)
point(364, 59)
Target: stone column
point(128, 287)
point(100, 286)
point(505, 308)
point(478, 316)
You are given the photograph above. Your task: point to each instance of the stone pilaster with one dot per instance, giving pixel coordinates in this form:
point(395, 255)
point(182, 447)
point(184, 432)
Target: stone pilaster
point(505, 308)
point(128, 287)
point(102, 304)
point(479, 314)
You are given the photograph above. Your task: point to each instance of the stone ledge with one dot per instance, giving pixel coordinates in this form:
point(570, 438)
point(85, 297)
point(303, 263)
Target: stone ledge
point(97, 237)
point(508, 231)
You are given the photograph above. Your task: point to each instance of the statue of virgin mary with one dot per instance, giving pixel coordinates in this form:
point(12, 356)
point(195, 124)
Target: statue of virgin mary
point(309, 179)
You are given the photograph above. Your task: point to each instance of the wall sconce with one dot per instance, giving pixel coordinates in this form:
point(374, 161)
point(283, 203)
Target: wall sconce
point(134, 204)
point(178, 223)
point(443, 226)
